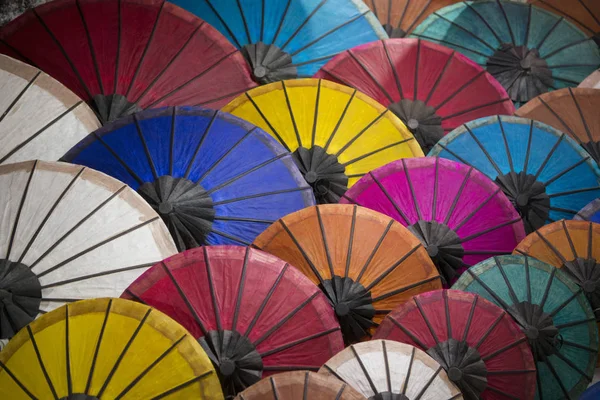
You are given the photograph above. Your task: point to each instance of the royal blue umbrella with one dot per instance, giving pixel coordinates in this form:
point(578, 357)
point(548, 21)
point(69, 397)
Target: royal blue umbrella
point(546, 175)
point(529, 50)
point(285, 39)
point(212, 177)
point(592, 393)
point(591, 212)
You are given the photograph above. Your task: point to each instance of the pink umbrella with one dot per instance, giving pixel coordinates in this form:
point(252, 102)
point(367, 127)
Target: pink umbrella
point(458, 213)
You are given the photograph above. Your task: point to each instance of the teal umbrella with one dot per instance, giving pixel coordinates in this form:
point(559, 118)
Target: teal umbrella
point(551, 310)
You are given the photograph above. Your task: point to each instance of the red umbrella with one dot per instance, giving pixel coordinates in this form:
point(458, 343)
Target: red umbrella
point(125, 55)
point(253, 314)
point(481, 348)
point(431, 88)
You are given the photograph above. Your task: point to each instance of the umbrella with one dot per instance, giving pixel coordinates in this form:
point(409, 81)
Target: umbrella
point(106, 349)
point(572, 111)
point(477, 343)
point(431, 88)
point(583, 13)
point(591, 212)
point(551, 310)
point(400, 17)
point(529, 50)
point(213, 178)
point(39, 117)
point(289, 39)
point(384, 369)
point(592, 81)
point(121, 56)
point(545, 174)
point(337, 134)
point(459, 215)
point(300, 385)
point(253, 314)
point(365, 262)
point(592, 393)
point(67, 233)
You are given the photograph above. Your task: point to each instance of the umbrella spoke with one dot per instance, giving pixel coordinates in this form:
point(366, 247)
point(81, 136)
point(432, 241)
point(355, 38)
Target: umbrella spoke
point(373, 78)
point(359, 134)
point(350, 242)
point(41, 362)
point(403, 289)
point(374, 251)
point(340, 119)
point(20, 209)
point(259, 195)
point(427, 322)
point(408, 333)
point(182, 386)
point(371, 153)
point(291, 112)
point(459, 90)
point(17, 381)
point(394, 70)
point(503, 349)
point(576, 191)
point(389, 197)
point(428, 383)
point(325, 245)
point(211, 288)
point(488, 230)
point(297, 342)
point(304, 254)
point(91, 276)
point(376, 281)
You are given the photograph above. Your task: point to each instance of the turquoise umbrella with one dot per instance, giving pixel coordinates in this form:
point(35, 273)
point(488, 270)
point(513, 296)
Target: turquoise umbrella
point(529, 50)
point(552, 311)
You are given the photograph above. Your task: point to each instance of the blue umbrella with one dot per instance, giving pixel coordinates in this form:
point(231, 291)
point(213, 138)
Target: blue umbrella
point(212, 177)
point(285, 39)
point(591, 212)
point(529, 50)
point(546, 175)
point(592, 393)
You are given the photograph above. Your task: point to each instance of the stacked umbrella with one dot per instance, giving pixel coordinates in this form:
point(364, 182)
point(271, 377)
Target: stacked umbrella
point(228, 130)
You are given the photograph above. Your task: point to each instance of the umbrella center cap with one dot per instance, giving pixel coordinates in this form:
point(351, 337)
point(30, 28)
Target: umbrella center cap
point(455, 374)
point(227, 367)
point(260, 72)
point(433, 250)
point(532, 332)
point(165, 208)
point(538, 327)
point(322, 171)
point(525, 64)
point(17, 278)
point(522, 200)
point(311, 177)
point(413, 123)
point(342, 309)
point(79, 396)
point(421, 120)
point(589, 286)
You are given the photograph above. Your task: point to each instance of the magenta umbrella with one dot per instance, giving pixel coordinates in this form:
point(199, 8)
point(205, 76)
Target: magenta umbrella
point(458, 213)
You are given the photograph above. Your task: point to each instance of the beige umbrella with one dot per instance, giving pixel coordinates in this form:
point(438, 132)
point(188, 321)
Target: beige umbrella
point(39, 117)
point(592, 81)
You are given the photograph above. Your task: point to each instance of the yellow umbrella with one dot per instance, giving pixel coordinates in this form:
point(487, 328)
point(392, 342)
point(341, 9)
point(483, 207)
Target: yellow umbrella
point(106, 349)
point(336, 133)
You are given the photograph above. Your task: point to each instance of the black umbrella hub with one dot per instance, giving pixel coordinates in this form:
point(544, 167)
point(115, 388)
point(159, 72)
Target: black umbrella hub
point(593, 149)
point(394, 33)
point(79, 396)
point(20, 297)
point(269, 63)
point(112, 107)
point(421, 120)
point(585, 272)
point(538, 327)
point(323, 172)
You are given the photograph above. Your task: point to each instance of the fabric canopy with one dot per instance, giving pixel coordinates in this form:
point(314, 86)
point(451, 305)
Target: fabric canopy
point(431, 88)
point(591, 212)
point(337, 134)
point(300, 386)
point(39, 117)
point(545, 174)
point(572, 111)
point(400, 17)
point(286, 39)
point(106, 349)
point(529, 50)
point(365, 262)
point(477, 343)
point(122, 56)
point(66, 233)
point(583, 13)
point(213, 178)
point(551, 310)
point(253, 314)
point(384, 369)
point(459, 215)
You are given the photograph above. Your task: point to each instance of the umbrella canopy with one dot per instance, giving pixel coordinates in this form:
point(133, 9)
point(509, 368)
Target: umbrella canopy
point(39, 117)
point(337, 134)
point(459, 215)
point(477, 343)
point(431, 88)
point(287, 39)
point(253, 314)
point(592, 393)
point(572, 111)
point(592, 81)
point(384, 369)
point(122, 56)
point(583, 13)
point(366, 263)
point(591, 212)
point(213, 178)
point(300, 385)
point(106, 349)
point(529, 50)
point(545, 174)
point(400, 17)
point(551, 310)
point(67, 233)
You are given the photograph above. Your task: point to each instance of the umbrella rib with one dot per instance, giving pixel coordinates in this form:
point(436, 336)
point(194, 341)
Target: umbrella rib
point(440, 76)
point(416, 76)
point(527, 278)
point(559, 194)
point(118, 55)
point(590, 240)
point(216, 99)
point(258, 341)
point(315, 121)
point(274, 388)
point(589, 12)
point(19, 210)
point(291, 112)
point(488, 230)
point(305, 392)
point(408, 333)
point(298, 189)
point(392, 268)
point(571, 244)
point(511, 372)
point(266, 300)
point(104, 273)
point(311, 61)
point(262, 20)
point(435, 189)
point(240, 291)
point(212, 289)
point(359, 134)
point(575, 323)
point(145, 145)
point(579, 346)
point(118, 158)
point(513, 296)
point(182, 386)
point(559, 11)
point(547, 288)
point(580, 111)
point(299, 28)
point(470, 318)
point(428, 384)
point(236, 219)
point(465, 30)
point(558, 117)
point(339, 122)
point(549, 155)
point(232, 237)
point(17, 381)
point(19, 96)
point(476, 210)
point(281, 368)
point(68, 355)
point(408, 371)
point(483, 149)
point(457, 91)
point(306, 257)
point(491, 292)
point(222, 21)
point(468, 110)
point(487, 24)
point(375, 81)
point(97, 349)
point(403, 12)
point(427, 322)
point(333, 372)
point(172, 141)
point(283, 17)
point(556, 376)
point(244, 21)
point(43, 223)
point(135, 296)
point(374, 251)
point(389, 146)
point(412, 189)
point(552, 29)
point(386, 361)
point(421, 13)
point(447, 314)
point(565, 47)
point(394, 70)
point(364, 370)
point(458, 194)
point(41, 362)
point(565, 303)
point(489, 330)
point(448, 44)
point(389, 197)
point(504, 138)
point(325, 245)
point(267, 122)
point(350, 241)
point(503, 349)
point(510, 31)
point(528, 151)
point(297, 342)
point(453, 154)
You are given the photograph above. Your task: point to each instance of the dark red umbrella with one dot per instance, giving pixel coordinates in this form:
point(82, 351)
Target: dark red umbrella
point(125, 55)
point(481, 348)
point(253, 314)
point(431, 88)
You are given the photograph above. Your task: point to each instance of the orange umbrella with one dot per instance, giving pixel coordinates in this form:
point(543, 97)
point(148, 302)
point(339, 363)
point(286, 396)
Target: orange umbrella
point(366, 263)
point(572, 111)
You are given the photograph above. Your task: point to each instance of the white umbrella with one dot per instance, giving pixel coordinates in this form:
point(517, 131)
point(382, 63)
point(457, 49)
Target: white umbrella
point(384, 369)
point(39, 117)
point(66, 233)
